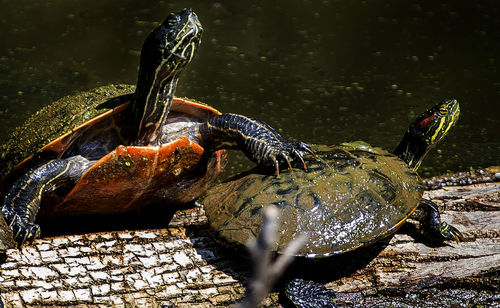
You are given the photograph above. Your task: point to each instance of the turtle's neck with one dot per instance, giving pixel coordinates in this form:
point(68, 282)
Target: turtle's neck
point(412, 150)
point(153, 99)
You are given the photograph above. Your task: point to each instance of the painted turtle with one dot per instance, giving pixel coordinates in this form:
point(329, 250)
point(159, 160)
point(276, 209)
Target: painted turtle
point(350, 196)
point(109, 151)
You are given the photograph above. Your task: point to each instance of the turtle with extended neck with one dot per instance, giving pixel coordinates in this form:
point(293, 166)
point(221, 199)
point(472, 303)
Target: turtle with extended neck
point(110, 151)
point(350, 196)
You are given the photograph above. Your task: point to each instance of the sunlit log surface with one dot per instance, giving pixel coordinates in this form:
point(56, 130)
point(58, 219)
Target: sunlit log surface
point(183, 266)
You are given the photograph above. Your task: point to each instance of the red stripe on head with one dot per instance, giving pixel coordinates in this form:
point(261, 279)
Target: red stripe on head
point(425, 122)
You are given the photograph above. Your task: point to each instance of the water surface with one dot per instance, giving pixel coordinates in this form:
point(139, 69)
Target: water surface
point(319, 71)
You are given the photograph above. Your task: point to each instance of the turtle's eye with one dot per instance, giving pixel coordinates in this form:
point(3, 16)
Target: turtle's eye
point(443, 111)
point(172, 20)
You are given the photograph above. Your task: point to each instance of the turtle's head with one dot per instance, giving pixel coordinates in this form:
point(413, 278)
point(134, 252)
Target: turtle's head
point(426, 131)
point(171, 46)
point(435, 123)
point(166, 51)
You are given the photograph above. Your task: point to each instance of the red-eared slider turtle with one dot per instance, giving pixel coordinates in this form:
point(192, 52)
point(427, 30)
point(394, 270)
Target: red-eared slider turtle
point(350, 196)
point(103, 152)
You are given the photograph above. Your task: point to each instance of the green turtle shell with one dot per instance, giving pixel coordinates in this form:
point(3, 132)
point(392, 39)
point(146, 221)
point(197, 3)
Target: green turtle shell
point(350, 196)
point(57, 119)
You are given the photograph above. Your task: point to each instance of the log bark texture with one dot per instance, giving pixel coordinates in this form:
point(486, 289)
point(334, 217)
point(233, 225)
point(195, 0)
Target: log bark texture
point(183, 266)
point(411, 273)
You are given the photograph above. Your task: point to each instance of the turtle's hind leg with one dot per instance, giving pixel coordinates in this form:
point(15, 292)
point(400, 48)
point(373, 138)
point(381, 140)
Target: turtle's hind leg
point(22, 200)
point(431, 225)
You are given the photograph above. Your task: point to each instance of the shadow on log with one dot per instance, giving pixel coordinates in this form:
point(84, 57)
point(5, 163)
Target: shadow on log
point(183, 266)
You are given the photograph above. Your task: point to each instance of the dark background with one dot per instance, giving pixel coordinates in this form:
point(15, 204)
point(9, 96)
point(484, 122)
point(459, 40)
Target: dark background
point(319, 71)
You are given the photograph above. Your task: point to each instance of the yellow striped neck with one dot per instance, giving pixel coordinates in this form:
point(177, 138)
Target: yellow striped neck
point(155, 103)
point(412, 151)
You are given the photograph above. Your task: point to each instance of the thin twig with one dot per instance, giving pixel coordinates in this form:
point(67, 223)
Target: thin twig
point(265, 271)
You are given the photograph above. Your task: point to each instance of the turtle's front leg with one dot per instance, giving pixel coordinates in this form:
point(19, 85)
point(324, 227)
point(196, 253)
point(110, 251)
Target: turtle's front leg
point(258, 140)
point(22, 200)
point(431, 225)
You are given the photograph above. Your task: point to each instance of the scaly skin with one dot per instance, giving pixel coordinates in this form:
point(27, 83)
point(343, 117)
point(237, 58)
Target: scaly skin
point(22, 200)
point(259, 141)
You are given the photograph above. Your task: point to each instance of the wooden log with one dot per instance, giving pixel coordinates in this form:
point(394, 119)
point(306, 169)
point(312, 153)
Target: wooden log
point(183, 266)
point(412, 273)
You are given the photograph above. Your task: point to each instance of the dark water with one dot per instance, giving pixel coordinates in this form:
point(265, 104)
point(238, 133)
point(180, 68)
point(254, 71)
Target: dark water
point(320, 71)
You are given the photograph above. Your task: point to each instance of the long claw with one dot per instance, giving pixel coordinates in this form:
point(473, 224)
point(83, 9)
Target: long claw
point(24, 231)
point(24, 238)
point(277, 165)
point(12, 222)
point(16, 236)
point(297, 154)
point(458, 235)
point(287, 151)
point(287, 159)
point(307, 148)
point(310, 151)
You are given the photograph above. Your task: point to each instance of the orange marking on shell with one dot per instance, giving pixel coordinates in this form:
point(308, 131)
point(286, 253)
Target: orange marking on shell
point(131, 177)
point(194, 108)
point(62, 143)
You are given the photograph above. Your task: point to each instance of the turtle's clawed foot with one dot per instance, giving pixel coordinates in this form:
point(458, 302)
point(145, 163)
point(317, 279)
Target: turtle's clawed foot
point(448, 232)
point(287, 152)
point(23, 230)
point(432, 226)
point(300, 149)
